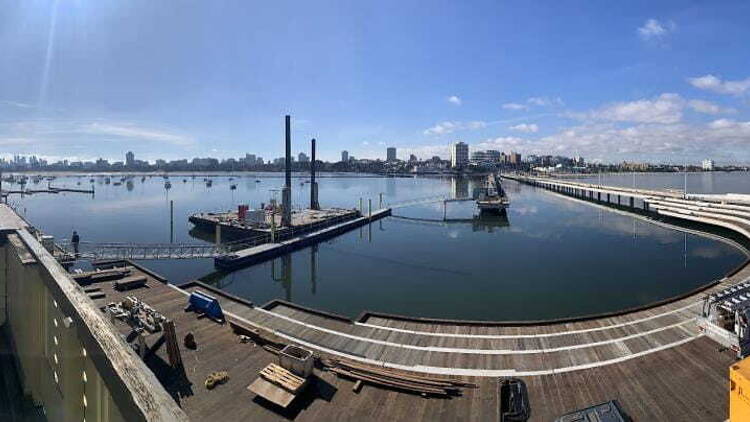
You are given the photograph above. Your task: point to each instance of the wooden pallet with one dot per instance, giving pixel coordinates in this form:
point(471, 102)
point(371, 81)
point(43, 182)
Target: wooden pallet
point(283, 378)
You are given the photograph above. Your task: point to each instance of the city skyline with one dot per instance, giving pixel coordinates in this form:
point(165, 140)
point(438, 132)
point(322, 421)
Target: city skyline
point(608, 82)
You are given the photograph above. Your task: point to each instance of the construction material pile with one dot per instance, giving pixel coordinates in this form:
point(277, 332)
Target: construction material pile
point(138, 314)
point(420, 384)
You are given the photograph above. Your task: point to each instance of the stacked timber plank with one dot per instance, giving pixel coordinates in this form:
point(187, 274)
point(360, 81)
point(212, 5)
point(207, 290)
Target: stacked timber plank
point(283, 378)
point(101, 275)
point(129, 283)
point(395, 379)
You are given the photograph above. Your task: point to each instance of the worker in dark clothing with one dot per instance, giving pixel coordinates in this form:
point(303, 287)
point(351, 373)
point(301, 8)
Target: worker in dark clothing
point(75, 240)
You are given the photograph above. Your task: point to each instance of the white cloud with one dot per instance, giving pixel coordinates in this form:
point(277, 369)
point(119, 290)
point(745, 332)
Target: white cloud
point(715, 84)
point(708, 107)
point(653, 29)
point(135, 132)
point(724, 140)
point(505, 143)
point(427, 151)
point(15, 142)
point(515, 106)
point(15, 104)
point(545, 101)
point(81, 138)
point(444, 128)
point(453, 99)
point(665, 109)
point(729, 124)
point(525, 127)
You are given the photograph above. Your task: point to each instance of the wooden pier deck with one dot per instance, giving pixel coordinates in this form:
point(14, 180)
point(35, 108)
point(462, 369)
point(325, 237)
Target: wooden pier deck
point(654, 361)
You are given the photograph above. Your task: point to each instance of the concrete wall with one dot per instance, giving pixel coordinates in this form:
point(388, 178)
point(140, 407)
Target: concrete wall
point(70, 359)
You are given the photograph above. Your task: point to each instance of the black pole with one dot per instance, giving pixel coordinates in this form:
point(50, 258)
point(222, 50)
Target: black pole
point(286, 192)
point(312, 163)
point(171, 221)
point(288, 152)
point(313, 184)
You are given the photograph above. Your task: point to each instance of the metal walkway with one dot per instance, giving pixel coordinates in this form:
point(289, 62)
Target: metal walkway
point(426, 200)
point(149, 251)
point(92, 250)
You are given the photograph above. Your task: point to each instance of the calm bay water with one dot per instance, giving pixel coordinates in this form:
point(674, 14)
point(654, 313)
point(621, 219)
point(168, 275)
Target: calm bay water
point(552, 257)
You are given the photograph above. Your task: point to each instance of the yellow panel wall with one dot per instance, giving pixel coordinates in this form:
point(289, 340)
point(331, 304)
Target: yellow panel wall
point(739, 391)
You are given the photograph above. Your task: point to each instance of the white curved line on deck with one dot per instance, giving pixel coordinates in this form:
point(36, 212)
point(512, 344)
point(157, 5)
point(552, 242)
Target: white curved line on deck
point(472, 351)
point(471, 372)
point(541, 335)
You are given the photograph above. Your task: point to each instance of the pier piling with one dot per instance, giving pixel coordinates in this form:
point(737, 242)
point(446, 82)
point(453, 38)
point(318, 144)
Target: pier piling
point(171, 221)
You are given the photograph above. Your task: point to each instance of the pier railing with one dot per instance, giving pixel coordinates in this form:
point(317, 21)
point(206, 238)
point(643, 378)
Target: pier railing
point(427, 200)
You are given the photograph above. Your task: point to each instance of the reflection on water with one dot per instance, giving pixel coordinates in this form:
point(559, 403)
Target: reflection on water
point(548, 257)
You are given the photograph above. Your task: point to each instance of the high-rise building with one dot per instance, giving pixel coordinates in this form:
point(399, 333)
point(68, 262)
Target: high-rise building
point(344, 156)
point(459, 154)
point(708, 165)
point(390, 154)
point(129, 159)
point(515, 158)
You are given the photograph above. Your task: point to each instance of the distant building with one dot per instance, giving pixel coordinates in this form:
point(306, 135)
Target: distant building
point(459, 155)
point(515, 158)
point(129, 159)
point(578, 161)
point(344, 156)
point(303, 158)
point(708, 165)
point(489, 156)
point(390, 154)
point(412, 158)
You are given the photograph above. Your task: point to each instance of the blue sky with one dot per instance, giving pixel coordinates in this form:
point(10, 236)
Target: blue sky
point(654, 81)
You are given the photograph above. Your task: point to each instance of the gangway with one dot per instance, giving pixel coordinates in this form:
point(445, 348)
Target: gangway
point(426, 200)
point(141, 251)
point(149, 251)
